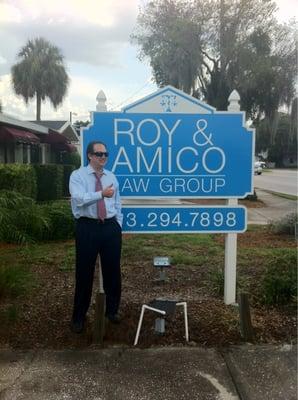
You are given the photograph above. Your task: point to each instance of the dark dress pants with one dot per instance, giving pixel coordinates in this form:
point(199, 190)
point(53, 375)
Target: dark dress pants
point(93, 238)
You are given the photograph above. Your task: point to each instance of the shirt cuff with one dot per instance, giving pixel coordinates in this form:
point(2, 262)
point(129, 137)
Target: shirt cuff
point(97, 195)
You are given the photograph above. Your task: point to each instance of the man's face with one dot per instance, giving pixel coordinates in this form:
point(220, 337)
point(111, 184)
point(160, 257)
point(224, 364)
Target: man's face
point(98, 161)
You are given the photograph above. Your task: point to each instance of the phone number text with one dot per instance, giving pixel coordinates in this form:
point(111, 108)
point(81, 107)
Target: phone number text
point(184, 219)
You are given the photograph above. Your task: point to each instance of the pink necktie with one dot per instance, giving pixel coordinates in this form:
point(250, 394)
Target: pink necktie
point(101, 207)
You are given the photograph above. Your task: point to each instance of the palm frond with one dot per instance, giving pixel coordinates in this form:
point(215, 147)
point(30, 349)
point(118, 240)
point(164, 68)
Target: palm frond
point(21, 219)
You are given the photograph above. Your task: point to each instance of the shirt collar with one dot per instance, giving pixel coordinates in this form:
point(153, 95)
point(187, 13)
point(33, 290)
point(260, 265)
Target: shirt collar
point(91, 170)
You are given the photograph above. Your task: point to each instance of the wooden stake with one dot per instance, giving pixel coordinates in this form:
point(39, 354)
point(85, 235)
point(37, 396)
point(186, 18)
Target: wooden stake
point(246, 327)
point(100, 306)
point(99, 319)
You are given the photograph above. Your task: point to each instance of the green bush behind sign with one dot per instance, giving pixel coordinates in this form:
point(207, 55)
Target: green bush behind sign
point(19, 178)
point(49, 181)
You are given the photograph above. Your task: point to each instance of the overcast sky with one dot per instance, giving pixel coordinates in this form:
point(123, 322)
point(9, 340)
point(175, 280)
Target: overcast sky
point(93, 35)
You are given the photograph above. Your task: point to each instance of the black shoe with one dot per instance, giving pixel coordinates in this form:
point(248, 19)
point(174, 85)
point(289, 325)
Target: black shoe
point(77, 326)
point(114, 318)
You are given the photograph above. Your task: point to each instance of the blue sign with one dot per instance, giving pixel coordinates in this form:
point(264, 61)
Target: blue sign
point(184, 219)
point(175, 153)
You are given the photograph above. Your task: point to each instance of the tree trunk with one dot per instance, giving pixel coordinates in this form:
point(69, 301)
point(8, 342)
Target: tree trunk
point(38, 106)
point(222, 35)
point(273, 119)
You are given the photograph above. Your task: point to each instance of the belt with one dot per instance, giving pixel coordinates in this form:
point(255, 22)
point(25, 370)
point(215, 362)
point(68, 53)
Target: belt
point(97, 221)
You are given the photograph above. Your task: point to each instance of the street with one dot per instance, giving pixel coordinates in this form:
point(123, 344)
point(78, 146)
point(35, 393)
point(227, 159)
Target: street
point(278, 180)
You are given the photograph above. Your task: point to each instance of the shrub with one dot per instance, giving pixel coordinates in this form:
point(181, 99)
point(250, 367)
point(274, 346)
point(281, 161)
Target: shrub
point(19, 178)
point(252, 197)
point(279, 284)
point(14, 280)
point(61, 221)
point(9, 315)
point(49, 181)
point(73, 159)
point(217, 281)
point(21, 219)
point(67, 170)
point(285, 225)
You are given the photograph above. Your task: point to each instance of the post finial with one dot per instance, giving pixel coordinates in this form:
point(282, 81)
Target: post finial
point(101, 101)
point(234, 101)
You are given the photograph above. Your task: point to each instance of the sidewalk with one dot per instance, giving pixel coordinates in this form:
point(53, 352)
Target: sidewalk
point(275, 208)
point(242, 372)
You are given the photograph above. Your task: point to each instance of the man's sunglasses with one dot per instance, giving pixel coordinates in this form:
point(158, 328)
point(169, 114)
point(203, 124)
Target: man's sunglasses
point(101, 154)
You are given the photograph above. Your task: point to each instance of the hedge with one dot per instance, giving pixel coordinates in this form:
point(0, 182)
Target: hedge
point(61, 220)
point(19, 178)
point(73, 159)
point(49, 181)
point(66, 174)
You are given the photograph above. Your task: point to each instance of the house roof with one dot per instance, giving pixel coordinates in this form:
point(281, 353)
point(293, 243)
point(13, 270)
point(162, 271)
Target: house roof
point(63, 127)
point(15, 130)
point(70, 133)
point(29, 126)
point(56, 125)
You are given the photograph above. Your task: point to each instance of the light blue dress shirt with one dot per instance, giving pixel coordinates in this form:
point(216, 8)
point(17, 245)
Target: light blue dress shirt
point(84, 197)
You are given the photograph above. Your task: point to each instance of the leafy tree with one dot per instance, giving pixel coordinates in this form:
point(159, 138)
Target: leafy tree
point(267, 77)
point(208, 48)
point(80, 124)
point(281, 144)
point(285, 143)
point(293, 125)
point(40, 73)
point(171, 39)
point(231, 43)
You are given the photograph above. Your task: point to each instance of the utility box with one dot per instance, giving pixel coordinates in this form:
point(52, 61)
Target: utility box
point(161, 263)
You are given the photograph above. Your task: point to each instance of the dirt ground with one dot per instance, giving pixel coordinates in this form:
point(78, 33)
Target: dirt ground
point(43, 317)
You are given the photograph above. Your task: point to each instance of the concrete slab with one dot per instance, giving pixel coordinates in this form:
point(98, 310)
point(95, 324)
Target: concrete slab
point(276, 207)
point(246, 372)
point(12, 365)
point(115, 374)
point(264, 372)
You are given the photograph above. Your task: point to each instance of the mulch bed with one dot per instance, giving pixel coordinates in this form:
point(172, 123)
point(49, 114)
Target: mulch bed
point(43, 320)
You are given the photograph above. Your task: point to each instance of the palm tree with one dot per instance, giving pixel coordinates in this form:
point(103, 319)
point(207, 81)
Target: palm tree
point(41, 73)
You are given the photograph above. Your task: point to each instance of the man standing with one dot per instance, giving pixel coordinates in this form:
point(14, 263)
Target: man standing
point(96, 206)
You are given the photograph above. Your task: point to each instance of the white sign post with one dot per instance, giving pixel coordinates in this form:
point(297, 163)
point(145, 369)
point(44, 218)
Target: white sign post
point(231, 238)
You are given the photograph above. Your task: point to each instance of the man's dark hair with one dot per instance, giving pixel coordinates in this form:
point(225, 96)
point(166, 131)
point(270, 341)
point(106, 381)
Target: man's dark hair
point(90, 147)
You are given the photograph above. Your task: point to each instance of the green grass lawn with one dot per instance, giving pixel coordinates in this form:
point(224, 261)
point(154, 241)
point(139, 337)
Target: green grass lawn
point(37, 281)
point(17, 263)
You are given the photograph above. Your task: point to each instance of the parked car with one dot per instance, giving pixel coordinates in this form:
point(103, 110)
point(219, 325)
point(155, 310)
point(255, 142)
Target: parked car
point(262, 164)
point(258, 168)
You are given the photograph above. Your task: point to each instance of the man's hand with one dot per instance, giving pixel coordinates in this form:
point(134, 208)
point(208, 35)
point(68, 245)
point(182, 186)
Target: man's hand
point(108, 191)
